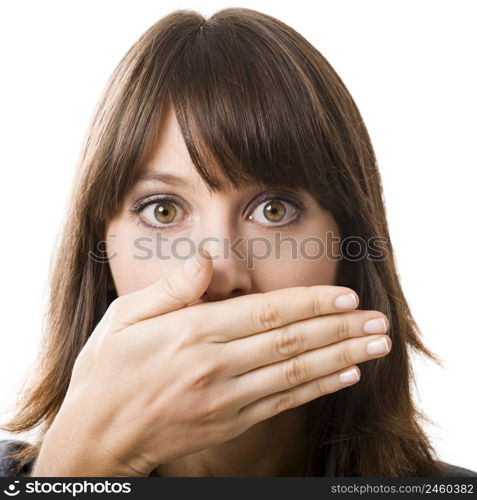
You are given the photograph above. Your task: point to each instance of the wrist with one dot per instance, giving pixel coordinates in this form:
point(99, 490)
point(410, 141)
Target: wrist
point(71, 462)
point(72, 451)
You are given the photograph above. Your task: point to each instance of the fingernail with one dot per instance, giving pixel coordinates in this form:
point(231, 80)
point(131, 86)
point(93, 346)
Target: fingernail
point(192, 267)
point(346, 301)
point(349, 376)
point(377, 325)
point(378, 346)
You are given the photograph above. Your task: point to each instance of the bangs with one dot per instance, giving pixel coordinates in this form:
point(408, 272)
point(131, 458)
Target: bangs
point(245, 108)
point(255, 103)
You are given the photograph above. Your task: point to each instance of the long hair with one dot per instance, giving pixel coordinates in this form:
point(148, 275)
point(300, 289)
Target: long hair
point(254, 100)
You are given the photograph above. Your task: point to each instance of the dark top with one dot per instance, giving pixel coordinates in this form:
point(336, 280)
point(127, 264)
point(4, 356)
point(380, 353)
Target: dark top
point(7, 464)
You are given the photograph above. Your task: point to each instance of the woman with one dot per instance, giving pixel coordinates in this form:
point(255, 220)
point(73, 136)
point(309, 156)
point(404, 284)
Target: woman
point(213, 134)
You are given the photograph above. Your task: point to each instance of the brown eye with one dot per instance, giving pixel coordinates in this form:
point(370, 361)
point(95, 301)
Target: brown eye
point(164, 212)
point(274, 211)
point(159, 213)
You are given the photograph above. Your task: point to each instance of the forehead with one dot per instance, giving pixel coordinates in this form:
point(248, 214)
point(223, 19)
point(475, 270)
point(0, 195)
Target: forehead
point(167, 160)
point(168, 147)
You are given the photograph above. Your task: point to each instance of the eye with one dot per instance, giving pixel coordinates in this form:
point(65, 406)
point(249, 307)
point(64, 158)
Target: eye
point(163, 212)
point(166, 212)
point(158, 212)
point(275, 211)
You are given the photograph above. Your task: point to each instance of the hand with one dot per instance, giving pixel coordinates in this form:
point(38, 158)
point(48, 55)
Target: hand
point(158, 380)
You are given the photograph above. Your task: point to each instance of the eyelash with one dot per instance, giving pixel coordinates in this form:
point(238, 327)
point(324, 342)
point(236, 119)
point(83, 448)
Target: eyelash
point(140, 205)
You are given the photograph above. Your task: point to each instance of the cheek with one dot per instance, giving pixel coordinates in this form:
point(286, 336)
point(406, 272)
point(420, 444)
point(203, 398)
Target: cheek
point(311, 257)
point(132, 260)
point(136, 262)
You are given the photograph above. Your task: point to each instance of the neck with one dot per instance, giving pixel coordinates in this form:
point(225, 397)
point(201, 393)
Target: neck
point(273, 447)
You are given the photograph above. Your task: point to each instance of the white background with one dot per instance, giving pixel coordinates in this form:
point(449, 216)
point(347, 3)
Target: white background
point(410, 66)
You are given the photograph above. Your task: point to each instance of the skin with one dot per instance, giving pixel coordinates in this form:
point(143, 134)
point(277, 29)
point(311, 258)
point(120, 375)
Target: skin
point(208, 372)
point(264, 449)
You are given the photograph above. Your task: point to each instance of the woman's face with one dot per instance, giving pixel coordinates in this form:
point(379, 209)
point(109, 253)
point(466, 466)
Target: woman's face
point(259, 239)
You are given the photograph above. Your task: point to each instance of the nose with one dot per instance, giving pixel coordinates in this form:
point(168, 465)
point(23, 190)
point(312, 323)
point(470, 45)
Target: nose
point(230, 277)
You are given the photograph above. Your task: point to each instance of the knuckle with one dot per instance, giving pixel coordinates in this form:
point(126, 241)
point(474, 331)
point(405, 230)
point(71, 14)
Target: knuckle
point(190, 330)
point(317, 308)
point(343, 328)
point(285, 402)
point(320, 387)
point(214, 406)
point(202, 378)
point(267, 316)
point(220, 364)
point(288, 342)
point(183, 339)
point(295, 371)
point(346, 355)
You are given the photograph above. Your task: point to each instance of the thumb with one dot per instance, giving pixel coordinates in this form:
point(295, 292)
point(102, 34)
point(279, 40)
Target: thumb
point(174, 291)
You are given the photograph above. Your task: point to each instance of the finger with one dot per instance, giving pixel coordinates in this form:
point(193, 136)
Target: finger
point(255, 313)
point(249, 353)
point(174, 291)
point(271, 405)
point(310, 365)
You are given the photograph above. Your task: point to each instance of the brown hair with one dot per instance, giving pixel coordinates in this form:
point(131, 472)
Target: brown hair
point(254, 100)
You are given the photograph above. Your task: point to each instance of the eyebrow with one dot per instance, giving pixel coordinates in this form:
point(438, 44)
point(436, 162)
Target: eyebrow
point(165, 178)
point(162, 177)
